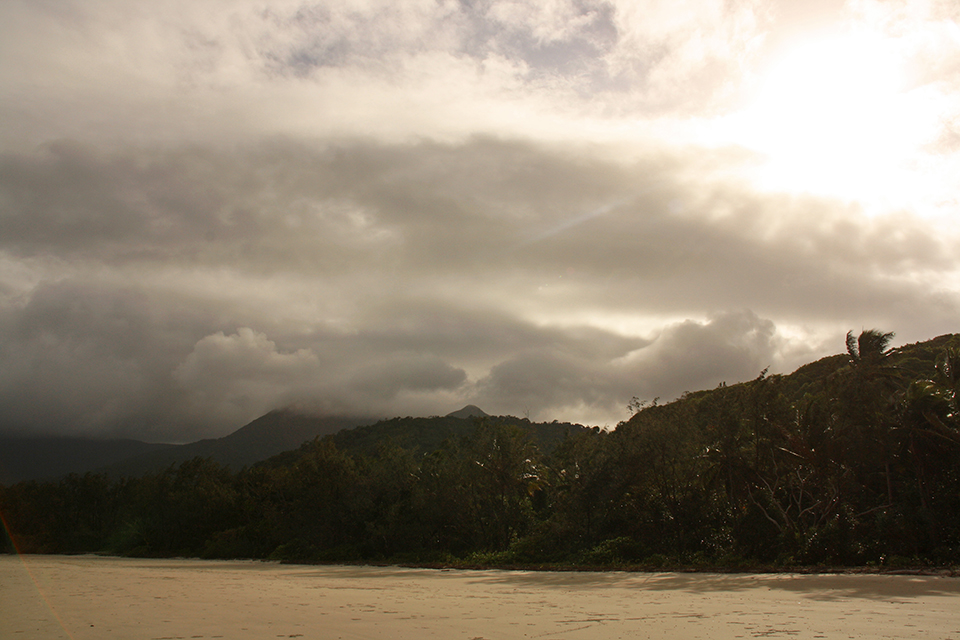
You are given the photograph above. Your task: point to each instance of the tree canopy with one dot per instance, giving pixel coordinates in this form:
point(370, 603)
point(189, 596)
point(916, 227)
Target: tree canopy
point(852, 460)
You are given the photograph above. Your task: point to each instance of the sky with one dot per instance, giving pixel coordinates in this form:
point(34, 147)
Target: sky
point(210, 209)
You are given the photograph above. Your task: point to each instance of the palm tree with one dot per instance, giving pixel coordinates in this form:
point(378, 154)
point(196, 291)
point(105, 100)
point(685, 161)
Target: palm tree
point(867, 399)
point(869, 353)
point(929, 426)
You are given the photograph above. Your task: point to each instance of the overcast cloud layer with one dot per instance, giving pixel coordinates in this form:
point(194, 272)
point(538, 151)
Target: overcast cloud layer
point(211, 209)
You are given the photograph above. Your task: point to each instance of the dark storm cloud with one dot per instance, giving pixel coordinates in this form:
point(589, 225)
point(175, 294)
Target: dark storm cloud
point(408, 372)
point(81, 357)
point(209, 209)
point(686, 356)
point(495, 204)
point(538, 378)
point(494, 215)
point(282, 203)
point(210, 286)
point(691, 355)
point(478, 333)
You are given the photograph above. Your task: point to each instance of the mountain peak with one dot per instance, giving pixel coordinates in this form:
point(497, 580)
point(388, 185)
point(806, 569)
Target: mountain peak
point(469, 411)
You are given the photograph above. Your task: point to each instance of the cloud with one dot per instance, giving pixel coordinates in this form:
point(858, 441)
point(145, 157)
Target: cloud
point(690, 355)
point(539, 382)
point(231, 379)
point(388, 276)
point(223, 71)
point(209, 209)
point(408, 373)
point(86, 358)
point(488, 204)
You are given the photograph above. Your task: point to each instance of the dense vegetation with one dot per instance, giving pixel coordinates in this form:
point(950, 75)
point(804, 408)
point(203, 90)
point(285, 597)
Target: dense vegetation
point(851, 460)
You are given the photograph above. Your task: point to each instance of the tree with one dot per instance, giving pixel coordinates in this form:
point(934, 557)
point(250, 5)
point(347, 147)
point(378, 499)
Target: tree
point(506, 476)
point(928, 440)
point(869, 352)
point(867, 398)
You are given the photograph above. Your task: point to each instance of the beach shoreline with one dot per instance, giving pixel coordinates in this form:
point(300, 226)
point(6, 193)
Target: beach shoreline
point(87, 597)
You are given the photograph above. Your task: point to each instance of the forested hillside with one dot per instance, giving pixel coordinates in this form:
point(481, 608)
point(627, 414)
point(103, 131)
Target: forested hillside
point(851, 460)
point(53, 457)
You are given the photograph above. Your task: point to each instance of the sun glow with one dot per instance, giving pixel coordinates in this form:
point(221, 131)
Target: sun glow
point(836, 117)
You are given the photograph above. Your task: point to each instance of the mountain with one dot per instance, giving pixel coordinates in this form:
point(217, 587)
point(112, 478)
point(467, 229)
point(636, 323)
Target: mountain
point(469, 411)
point(852, 460)
point(279, 431)
point(48, 457)
point(427, 434)
point(26, 458)
point(424, 435)
point(263, 438)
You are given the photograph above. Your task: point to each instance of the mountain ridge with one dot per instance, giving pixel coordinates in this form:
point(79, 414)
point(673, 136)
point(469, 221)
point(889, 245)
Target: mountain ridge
point(26, 458)
point(42, 458)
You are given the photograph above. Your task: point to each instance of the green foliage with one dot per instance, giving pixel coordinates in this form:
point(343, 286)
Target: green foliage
point(613, 552)
point(851, 460)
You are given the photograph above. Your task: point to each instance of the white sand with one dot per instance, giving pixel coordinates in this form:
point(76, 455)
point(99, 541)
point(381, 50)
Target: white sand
point(76, 598)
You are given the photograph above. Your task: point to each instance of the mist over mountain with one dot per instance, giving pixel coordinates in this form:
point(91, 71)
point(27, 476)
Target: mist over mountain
point(266, 436)
point(282, 431)
point(851, 460)
point(50, 457)
point(469, 411)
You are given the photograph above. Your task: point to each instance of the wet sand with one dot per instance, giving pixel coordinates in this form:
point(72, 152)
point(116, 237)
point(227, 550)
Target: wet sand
point(79, 598)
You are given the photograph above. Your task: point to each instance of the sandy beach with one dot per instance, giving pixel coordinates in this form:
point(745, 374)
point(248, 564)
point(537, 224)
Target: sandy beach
point(76, 598)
